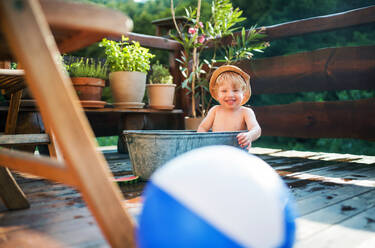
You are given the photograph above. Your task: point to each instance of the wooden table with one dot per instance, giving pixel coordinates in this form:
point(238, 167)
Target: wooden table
point(107, 121)
point(34, 32)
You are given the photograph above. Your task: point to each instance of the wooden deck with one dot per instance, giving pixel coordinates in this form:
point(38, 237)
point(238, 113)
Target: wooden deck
point(335, 196)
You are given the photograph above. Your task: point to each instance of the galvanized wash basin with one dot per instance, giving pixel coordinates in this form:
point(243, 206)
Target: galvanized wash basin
point(150, 149)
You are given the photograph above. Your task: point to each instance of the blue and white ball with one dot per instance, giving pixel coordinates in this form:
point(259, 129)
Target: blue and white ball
point(216, 196)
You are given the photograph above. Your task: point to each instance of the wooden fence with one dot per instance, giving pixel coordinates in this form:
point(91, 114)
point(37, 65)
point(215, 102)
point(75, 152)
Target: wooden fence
point(326, 69)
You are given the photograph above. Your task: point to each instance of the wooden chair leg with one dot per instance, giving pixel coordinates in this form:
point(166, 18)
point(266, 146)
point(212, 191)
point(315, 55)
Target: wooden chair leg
point(61, 112)
point(53, 148)
point(10, 192)
point(14, 106)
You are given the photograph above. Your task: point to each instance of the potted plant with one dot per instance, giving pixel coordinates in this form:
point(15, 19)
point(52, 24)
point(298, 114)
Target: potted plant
point(128, 63)
point(160, 88)
point(223, 22)
point(88, 78)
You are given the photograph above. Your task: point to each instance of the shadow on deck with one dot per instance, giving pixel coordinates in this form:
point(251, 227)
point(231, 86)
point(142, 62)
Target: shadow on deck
point(335, 196)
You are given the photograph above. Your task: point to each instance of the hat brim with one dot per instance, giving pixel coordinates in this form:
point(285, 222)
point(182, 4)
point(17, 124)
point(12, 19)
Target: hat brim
point(232, 68)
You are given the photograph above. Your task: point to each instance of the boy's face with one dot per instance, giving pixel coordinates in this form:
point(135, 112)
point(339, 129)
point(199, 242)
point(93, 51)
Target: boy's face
point(230, 95)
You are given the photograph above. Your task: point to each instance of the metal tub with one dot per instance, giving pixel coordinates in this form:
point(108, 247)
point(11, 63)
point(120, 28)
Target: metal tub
point(150, 149)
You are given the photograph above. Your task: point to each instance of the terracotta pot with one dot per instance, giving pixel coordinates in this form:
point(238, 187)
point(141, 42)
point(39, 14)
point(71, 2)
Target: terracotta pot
point(161, 96)
point(128, 88)
point(193, 123)
point(89, 91)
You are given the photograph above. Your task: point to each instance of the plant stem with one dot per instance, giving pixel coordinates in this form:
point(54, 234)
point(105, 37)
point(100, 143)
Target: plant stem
point(174, 20)
point(193, 110)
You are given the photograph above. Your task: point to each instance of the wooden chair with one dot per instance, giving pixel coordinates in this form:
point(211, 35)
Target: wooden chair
point(73, 26)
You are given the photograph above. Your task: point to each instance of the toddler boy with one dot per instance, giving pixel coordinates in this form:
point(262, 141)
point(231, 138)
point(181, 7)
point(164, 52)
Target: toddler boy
point(230, 86)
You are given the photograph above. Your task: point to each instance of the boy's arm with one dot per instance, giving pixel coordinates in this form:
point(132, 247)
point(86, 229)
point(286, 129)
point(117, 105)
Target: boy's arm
point(208, 121)
point(245, 139)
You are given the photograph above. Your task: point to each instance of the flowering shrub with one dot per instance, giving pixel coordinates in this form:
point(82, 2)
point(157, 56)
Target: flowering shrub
point(223, 21)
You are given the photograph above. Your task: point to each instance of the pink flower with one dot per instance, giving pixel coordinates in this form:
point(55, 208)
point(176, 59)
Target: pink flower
point(201, 39)
point(192, 30)
point(200, 24)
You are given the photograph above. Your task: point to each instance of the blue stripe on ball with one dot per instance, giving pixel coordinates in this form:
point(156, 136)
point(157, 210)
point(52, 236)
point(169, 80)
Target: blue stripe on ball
point(290, 226)
point(164, 222)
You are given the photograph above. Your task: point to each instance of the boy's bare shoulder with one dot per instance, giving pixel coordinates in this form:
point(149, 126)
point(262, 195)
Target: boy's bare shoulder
point(247, 110)
point(215, 108)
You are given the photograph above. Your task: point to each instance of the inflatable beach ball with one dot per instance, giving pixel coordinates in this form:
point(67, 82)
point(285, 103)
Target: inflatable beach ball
point(216, 196)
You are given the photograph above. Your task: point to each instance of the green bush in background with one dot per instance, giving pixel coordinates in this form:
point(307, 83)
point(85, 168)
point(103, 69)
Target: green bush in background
point(107, 141)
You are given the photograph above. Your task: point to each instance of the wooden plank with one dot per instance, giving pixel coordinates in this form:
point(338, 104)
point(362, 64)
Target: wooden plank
point(5, 64)
point(341, 171)
point(28, 239)
point(343, 119)
point(262, 151)
point(303, 166)
point(327, 69)
point(11, 81)
point(336, 21)
point(24, 139)
point(312, 204)
point(63, 212)
point(88, 17)
point(357, 231)
point(133, 111)
point(324, 156)
point(12, 72)
point(155, 41)
point(60, 109)
point(361, 178)
point(324, 23)
point(40, 208)
point(111, 121)
point(77, 41)
point(70, 18)
point(14, 106)
point(322, 188)
point(40, 166)
point(67, 234)
point(304, 188)
point(43, 219)
point(323, 219)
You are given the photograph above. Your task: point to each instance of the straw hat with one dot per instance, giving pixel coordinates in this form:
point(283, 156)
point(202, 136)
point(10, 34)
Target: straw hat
point(232, 68)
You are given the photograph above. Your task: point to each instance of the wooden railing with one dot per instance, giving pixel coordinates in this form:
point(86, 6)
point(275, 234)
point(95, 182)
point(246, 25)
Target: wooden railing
point(327, 69)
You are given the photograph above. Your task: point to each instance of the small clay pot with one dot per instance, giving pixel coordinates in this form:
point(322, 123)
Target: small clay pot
point(89, 91)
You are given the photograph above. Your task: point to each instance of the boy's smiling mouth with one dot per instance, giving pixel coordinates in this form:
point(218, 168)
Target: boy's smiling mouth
point(230, 101)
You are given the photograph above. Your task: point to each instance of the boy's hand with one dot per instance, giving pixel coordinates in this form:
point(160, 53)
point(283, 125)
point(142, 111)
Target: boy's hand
point(244, 140)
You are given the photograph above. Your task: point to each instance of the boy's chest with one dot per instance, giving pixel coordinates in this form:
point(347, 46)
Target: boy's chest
point(225, 121)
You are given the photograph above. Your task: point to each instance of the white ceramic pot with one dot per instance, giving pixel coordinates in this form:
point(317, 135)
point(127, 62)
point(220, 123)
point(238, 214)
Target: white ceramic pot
point(128, 88)
point(161, 96)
